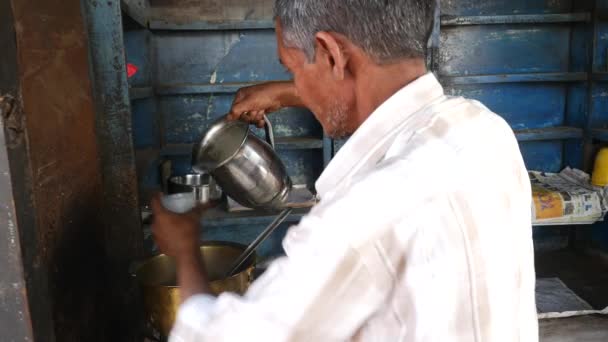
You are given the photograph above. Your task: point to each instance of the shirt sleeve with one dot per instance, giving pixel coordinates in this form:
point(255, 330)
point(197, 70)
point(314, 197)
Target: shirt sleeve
point(337, 273)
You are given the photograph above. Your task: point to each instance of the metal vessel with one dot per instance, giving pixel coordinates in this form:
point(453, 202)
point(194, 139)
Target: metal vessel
point(246, 167)
point(202, 185)
point(157, 278)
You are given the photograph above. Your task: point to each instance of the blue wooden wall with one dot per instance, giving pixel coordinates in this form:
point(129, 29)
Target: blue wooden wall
point(542, 65)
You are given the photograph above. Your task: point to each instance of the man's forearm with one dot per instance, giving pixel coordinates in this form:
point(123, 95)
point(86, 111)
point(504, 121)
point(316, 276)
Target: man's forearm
point(289, 97)
point(191, 275)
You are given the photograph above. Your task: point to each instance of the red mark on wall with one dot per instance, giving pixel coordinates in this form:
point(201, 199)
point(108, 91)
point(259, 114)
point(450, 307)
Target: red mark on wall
point(131, 70)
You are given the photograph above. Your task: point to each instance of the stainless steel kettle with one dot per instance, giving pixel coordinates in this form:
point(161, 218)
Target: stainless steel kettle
point(246, 167)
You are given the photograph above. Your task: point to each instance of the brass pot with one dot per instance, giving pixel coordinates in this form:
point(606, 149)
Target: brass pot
point(157, 278)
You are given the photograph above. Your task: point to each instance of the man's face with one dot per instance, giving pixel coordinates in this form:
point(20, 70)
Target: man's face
point(332, 101)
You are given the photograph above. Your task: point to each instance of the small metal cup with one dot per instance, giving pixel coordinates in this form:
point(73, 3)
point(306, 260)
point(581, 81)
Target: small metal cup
point(201, 185)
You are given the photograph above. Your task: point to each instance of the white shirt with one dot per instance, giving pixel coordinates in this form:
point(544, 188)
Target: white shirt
point(422, 233)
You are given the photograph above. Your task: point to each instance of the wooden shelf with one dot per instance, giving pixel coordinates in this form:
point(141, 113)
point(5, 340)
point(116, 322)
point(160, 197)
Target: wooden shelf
point(138, 93)
point(600, 134)
point(136, 10)
point(445, 21)
point(515, 78)
point(516, 19)
point(220, 217)
point(553, 133)
point(283, 143)
point(203, 88)
point(599, 76)
point(213, 25)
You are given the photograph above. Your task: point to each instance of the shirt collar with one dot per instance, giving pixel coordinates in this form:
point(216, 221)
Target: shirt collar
point(359, 150)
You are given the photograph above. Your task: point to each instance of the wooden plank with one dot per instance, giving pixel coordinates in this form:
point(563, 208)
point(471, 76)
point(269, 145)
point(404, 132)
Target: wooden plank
point(516, 19)
point(217, 57)
point(138, 93)
point(553, 133)
point(220, 217)
point(21, 283)
point(16, 215)
point(138, 10)
point(600, 134)
point(55, 177)
point(283, 143)
point(435, 40)
point(185, 11)
point(516, 78)
point(328, 150)
point(138, 45)
point(599, 76)
point(213, 25)
point(522, 105)
point(206, 88)
point(477, 7)
point(545, 156)
point(122, 239)
point(499, 50)
point(15, 316)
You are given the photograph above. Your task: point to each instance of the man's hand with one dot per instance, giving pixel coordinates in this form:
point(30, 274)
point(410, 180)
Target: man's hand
point(252, 103)
point(177, 235)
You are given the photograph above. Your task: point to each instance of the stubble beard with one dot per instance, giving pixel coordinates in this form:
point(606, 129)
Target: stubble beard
point(337, 119)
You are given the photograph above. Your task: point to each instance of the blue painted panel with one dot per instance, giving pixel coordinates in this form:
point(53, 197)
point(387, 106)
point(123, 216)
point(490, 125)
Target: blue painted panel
point(138, 49)
point(543, 155)
point(600, 60)
point(218, 57)
point(573, 153)
point(296, 122)
point(292, 122)
point(497, 49)
point(577, 105)
point(187, 117)
point(181, 165)
point(600, 106)
point(145, 124)
point(303, 166)
point(580, 44)
point(483, 7)
point(338, 143)
point(149, 177)
point(524, 106)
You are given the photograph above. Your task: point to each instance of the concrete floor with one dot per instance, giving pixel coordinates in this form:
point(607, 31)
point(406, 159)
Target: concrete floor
point(574, 329)
point(587, 276)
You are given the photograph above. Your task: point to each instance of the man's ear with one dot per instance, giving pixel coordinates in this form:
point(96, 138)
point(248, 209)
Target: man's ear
point(330, 48)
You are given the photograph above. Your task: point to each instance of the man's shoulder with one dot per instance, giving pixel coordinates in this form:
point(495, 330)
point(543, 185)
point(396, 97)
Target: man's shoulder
point(455, 123)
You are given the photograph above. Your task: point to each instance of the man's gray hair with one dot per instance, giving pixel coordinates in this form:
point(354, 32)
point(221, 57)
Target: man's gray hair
point(387, 30)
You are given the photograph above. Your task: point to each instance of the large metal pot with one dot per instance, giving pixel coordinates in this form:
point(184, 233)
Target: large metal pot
point(157, 278)
point(246, 167)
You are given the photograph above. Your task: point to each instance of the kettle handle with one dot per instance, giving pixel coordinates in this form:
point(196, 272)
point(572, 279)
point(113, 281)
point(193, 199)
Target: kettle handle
point(269, 132)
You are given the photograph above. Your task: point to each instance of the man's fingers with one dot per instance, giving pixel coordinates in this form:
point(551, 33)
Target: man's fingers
point(232, 116)
point(156, 204)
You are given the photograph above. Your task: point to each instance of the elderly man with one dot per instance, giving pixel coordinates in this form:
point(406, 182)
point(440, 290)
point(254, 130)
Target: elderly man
point(423, 230)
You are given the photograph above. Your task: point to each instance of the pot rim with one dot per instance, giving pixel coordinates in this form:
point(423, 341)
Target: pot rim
point(251, 261)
